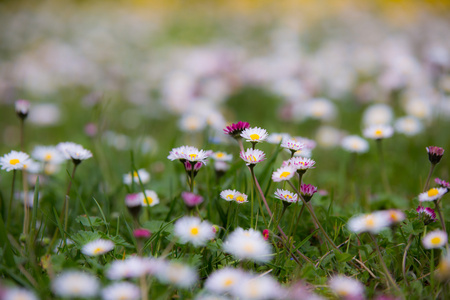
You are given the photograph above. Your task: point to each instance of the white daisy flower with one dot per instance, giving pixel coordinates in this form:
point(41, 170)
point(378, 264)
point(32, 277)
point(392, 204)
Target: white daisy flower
point(63, 148)
point(443, 269)
point(378, 114)
point(346, 287)
point(132, 267)
point(22, 108)
point(419, 108)
point(140, 174)
point(395, 215)
point(97, 247)
point(240, 198)
point(328, 136)
point(228, 195)
point(248, 244)
point(284, 173)
point(373, 223)
point(408, 125)
point(252, 156)
point(292, 145)
point(48, 154)
point(77, 153)
point(193, 230)
point(177, 274)
point(32, 167)
point(222, 156)
point(432, 194)
point(276, 138)
point(286, 195)
point(18, 294)
point(258, 287)
point(121, 291)
point(355, 143)
point(377, 132)
point(300, 163)
point(320, 109)
point(254, 134)
point(149, 198)
point(305, 152)
point(14, 160)
point(435, 239)
point(309, 144)
point(75, 284)
point(223, 280)
point(189, 153)
point(192, 123)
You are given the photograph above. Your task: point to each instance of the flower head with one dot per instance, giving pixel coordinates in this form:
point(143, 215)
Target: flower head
point(240, 198)
point(252, 156)
point(307, 191)
point(228, 195)
point(266, 234)
point(22, 108)
point(292, 145)
point(286, 196)
point(149, 198)
point(74, 152)
point(193, 230)
point(435, 154)
point(354, 143)
point(254, 135)
point(378, 132)
point(97, 247)
point(121, 291)
point(188, 153)
point(276, 138)
point(142, 233)
point(191, 199)
point(346, 287)
point(132, 267)
point(427, 214)
point(140, 174)
point(14, 160)
point(443, 269)
point(178, 274)
point(395, 215)
point(442, 183)
point(301, 164)
point(222, 156)
point(75, 284)
point(432, 194)
point(133, 203)
point(235, 129)
point(248, 244)
point(284, 173)
point(435, 239)
point(258, 287)
point(408, 125)
point(17, 294)
point(223, 280)
point(373, 223)
point(48, 154)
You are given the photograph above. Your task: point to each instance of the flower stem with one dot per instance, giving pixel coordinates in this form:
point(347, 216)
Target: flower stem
point(427, 183)
point(388, 275)
point(383, 167)
point(441, 217)
point(11, 197)
point(410, 240)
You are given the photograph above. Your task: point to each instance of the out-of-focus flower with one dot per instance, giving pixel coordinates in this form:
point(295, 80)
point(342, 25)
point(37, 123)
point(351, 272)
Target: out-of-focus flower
point(134, 204)
point(432, 194)
point(301, 164)
point(17, 294)
point(395, 215)
point(266, 234)
point(22, 108)
point(347, 288)
point(75, 284)
point(223, 280)
point(222, 156)
point(193, 230)
point(321, 109)
point(435, 239)
point(443, 269)
point(378, 132)
point(48, 154)
point(44, 114)
point(121, 291)
point(252, 156)
point(373, 223)
point(328, 136)
point(149, 198)
point(377, 114)
point(97, 247)
point(192, 123)
point(435, 154)
point(180, 275)
point(141, 174)
point(354, 143)
point(248, 244)
point(254, 135)
point(191, 199)
point(418, 108)
point(284, 173)
point(258, 287)
point(240, 198)
point(408, 125)
point(14, 160)
point(142, 233)
point(276, 138)
point(132, 267)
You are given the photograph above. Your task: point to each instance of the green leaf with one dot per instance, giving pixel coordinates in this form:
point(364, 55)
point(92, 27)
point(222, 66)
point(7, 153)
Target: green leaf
point(342, 257)
point(83, 237)
point(90, 221)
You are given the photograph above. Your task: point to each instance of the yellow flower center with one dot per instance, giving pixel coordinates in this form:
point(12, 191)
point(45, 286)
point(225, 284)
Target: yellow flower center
point(48, 157)
point(254, 137)
point(432, 192)
point(194, 230)
point(230, 196)
point(355, 145)
point(98, 250)
point(249, 248)
point(193, 156)
point(220, 154)
point(287, 197)
point(378, 132)
point(240, 199)
point(228, 282)
point(14, 161)
point(394, 216)
point(436, 240)
point(148, 200)
point(370, 221)
point(285, 174)
point(135, 174)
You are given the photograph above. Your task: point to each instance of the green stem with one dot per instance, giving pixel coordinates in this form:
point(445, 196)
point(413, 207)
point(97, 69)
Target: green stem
point(441, 216)
point(388, 275)
point(383, 167)
point(11, 197)
point(427, 183)
point(410, 240)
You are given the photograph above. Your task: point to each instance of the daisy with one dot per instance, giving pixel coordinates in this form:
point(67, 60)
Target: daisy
point(408, 125)
point(395, 215)
point(228, 195)
point(248, 244)
point(192, 123)
point(443, 269)
point(149, 198)
point(48, 154)
point(427, 214)
point(283, 173)
point(432, 194)
point(442, 183)
point(75, 152)
point(142, 233)
point(222, 156)
point(300, 163)
point(141, 174)
point(285, 195)
point(22, 108)
point(63, 148)
point(97, 247)
point(191, 199)
point(328, 136)
point(75, 284)
point(188, 153)
point(235, 129)
point(223, 280)
point(258, 287)
point(252, 156)
point(240, 198)
point(133, 203)
point(18, 294)
point(121, 291)
point(435, 154)
point(221, 167)
point(14, 160)
point(320, 109)
point(377, 132)
point(378, 114)
point(254, 135)
point(309, 144)
point(178, 274)
point(373, 223)
point(33, 167)
point(132, 267)
point(354, 143)
point(305, 152)
point(346, 287)
point(193, 230)
point(435, 239)
point(276, 138)
point(307, 191)
point(292, 145)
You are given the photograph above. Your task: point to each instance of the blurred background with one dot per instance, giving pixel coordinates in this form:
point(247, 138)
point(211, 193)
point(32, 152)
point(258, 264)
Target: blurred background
point(151, 75)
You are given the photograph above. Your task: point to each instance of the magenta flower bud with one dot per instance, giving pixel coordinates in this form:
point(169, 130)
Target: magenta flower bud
point(22, 108)
point(187, 166)
point(215, 229)
point(435, 154)
point(191, 199)
point(266, 234)
point(91, 129)
point(307, 191)
point(142, 233)
point(197, 166)
point(235, 129)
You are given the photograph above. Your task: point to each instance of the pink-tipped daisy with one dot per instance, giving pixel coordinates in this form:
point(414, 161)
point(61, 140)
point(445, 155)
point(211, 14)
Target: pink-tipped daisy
point(193, 230)
point(235, 129)
point(442, 183)
point(240, 198)
point(292, 145)
point(300, 163)
point(435, 239)
point(432, 194)
point(307, 191)
point(14, 160)
point(435, 154)
point(252, 156)
point(377, 132)
point(284, 173)
point(191, 199)
point(286, 195)
point(228, 195)
point(254, 135)
point(427, 214)
point(97, 247)
point(188, 153)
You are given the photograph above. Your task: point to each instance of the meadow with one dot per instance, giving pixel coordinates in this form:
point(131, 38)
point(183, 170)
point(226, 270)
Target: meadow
point(223, 157)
